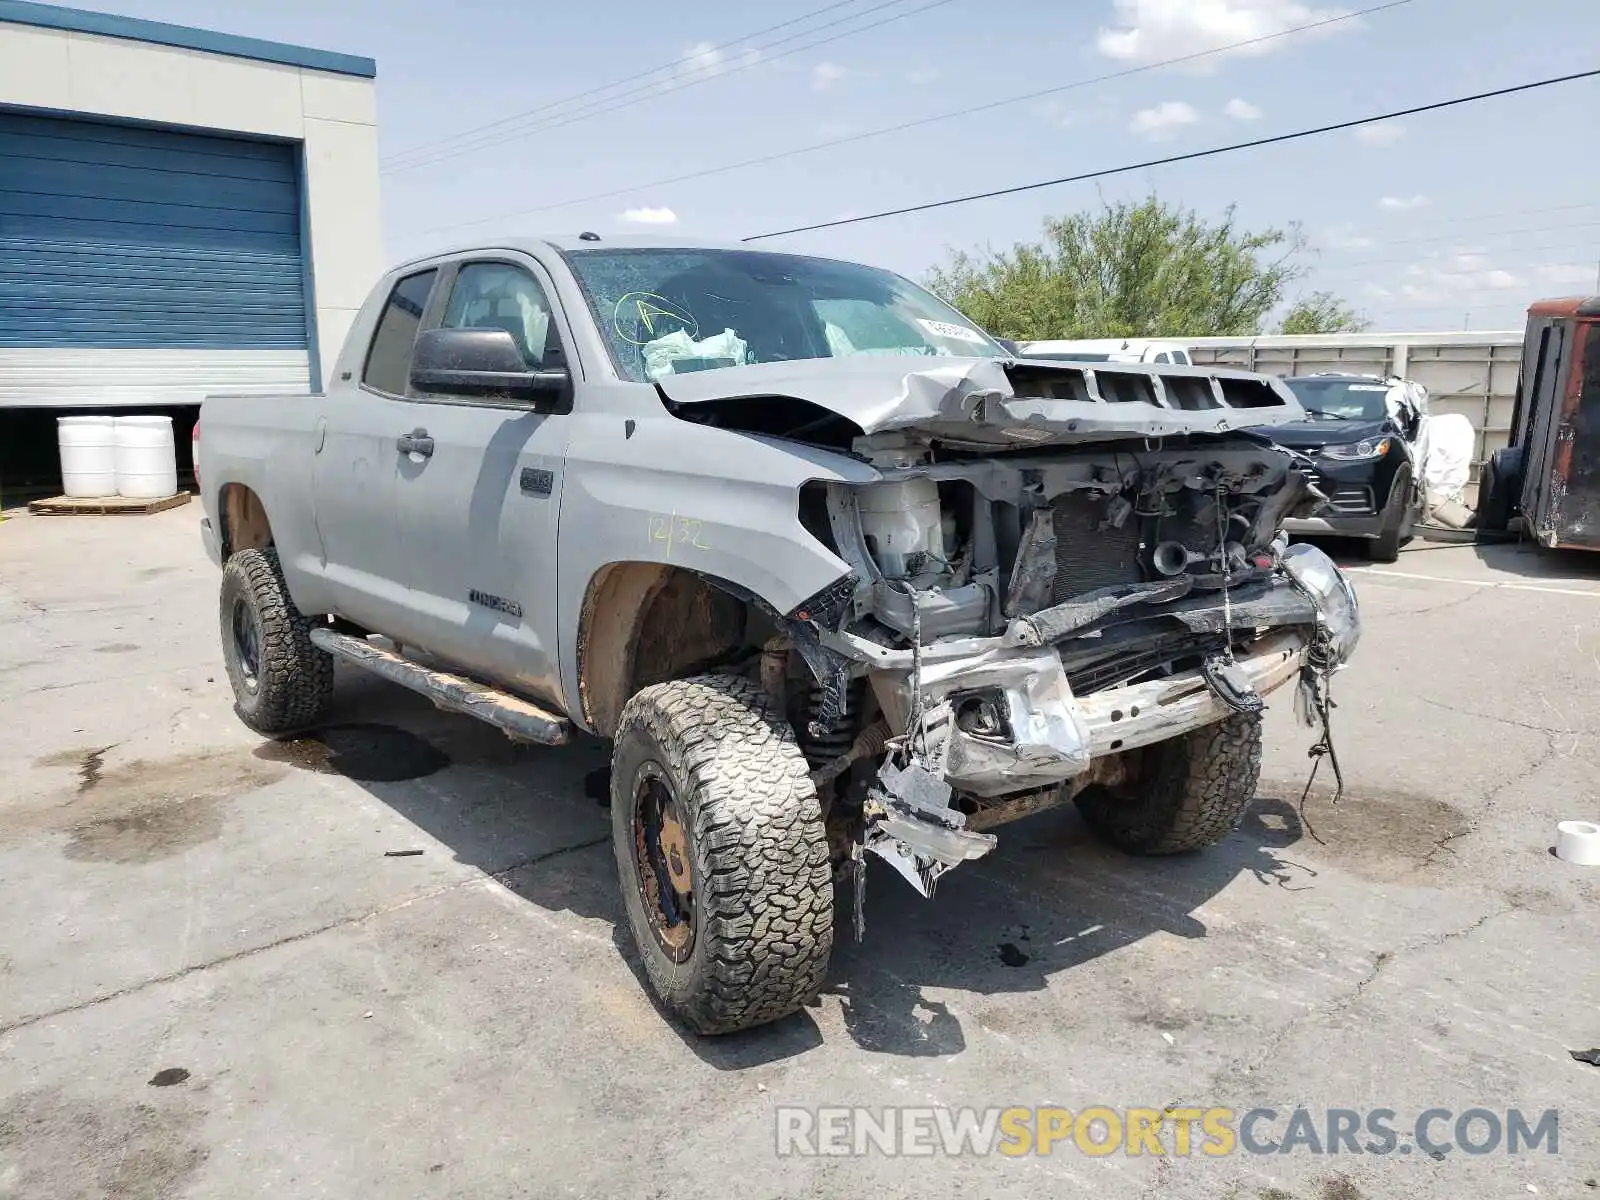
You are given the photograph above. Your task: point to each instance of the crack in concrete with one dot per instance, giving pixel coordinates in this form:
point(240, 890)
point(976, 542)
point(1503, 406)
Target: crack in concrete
point(1381, 963)
point(1467, 712)
point(289, 939)
point(1442, 605)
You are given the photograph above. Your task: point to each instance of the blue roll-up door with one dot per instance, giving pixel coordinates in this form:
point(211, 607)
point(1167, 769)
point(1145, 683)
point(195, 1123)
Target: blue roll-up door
point(120, 237)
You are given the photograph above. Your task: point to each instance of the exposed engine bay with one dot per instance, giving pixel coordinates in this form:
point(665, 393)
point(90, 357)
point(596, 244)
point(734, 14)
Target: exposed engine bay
point(1016, 626)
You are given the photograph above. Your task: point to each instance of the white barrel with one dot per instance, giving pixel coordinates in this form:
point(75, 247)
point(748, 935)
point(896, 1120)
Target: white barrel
point(147, 460)
point(88, 456)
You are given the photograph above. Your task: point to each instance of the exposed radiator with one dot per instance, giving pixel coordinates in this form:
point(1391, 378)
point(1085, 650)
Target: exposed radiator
point(1088, 557)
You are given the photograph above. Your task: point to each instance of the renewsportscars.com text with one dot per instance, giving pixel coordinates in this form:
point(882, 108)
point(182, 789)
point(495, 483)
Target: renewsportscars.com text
point(1181, 1132)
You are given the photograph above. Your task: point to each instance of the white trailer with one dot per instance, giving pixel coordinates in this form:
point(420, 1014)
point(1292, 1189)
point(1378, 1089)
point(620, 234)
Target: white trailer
point(1474, 374)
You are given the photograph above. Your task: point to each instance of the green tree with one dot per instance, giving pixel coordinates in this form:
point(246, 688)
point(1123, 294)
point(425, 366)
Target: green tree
point(1127, 270)
point(1323, 312)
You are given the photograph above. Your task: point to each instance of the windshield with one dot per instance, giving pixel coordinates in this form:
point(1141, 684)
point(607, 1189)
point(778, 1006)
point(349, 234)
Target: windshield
point(1341, 399)
point(666, 312)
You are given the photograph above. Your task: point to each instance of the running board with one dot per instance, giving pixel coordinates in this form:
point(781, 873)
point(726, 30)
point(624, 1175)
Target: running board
point(512, 715)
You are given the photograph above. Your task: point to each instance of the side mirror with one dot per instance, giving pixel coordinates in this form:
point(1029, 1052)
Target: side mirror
point(480, 362)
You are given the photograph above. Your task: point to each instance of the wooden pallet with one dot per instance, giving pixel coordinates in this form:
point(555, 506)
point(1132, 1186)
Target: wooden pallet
point(61, 506)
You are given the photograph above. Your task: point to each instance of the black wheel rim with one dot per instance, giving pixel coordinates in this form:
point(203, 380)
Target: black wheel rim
point(246, 643)
point(662, 863)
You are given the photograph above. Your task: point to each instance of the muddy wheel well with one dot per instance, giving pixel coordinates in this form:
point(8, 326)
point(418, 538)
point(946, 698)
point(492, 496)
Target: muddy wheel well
point(244, 521)
point(645, 623)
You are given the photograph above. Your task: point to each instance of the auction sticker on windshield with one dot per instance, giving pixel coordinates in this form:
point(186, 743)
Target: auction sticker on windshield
point(944, 329)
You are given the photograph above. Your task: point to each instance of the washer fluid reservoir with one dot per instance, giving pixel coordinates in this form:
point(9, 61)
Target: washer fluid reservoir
point(902, 526)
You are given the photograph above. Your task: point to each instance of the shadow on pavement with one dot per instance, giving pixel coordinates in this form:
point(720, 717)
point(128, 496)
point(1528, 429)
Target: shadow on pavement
point(1533, 562)
point(1049, 899)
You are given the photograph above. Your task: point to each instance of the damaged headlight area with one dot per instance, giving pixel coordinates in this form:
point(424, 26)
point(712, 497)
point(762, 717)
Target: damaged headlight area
point(1016, 628)
point(1320, 578)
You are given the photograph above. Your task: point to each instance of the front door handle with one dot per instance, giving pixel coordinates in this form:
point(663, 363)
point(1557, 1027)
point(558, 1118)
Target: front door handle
point(416, 442)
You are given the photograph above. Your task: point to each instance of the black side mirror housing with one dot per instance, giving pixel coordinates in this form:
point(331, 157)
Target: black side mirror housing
point(482, 363)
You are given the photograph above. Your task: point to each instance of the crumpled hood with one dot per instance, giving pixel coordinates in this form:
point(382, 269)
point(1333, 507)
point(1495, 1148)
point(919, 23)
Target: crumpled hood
point(1313, 434)
point(999, 402)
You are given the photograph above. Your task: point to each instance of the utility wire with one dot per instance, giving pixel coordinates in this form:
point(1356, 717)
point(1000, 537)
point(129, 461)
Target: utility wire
point(988, 106)
point(1191, 156)
point(1455, 237)
point(675, 65)
point(1362, 267)
point(650, 91)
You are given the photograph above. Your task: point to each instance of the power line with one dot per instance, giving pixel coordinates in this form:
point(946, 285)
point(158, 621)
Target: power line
point(1484, 270)
point(1511, 212)
point(1191, 156)
point(988, 106)
point(675, 64)
point(1378, 262)
point(640, 94)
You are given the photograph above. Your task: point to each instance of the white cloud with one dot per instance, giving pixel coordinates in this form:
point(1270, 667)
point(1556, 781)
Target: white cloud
point(1564, 274)
point(1380, 133)
point(824, 75)
point(1344, 237)
point(1164, 120)
point(1152, 30)
point(1242, 110)
point(1455, 279)
point(701, 61)
point(650, 216)
point(923, 75)
point(1403, 202)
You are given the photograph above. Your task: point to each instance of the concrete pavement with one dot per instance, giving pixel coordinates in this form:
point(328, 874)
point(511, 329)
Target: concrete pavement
point(177, 896)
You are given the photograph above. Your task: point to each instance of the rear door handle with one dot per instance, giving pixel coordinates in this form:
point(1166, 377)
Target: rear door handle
point(416, 442)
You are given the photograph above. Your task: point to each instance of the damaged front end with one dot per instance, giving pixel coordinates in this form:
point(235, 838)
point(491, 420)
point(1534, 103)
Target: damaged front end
point(1016, 623)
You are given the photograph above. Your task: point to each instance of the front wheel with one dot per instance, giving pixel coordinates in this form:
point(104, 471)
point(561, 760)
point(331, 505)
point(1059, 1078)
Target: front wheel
point(1186, 793)
point(721, 853)
point(1398, 516)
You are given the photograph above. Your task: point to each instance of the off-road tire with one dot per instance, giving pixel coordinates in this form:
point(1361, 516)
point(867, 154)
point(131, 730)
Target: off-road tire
point(292, 685)
point(1192, 792)
point(763, 886)
point(1398, 515)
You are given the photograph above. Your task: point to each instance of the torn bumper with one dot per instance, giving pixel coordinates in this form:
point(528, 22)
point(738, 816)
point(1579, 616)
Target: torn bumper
point(1048, 736)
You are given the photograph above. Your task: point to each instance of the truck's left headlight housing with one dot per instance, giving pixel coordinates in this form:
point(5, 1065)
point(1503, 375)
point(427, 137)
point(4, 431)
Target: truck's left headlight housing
point(1370, 448)
point(1320, 578)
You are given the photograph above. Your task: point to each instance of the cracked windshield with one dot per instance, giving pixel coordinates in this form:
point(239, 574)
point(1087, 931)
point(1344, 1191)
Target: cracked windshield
point(667, 312)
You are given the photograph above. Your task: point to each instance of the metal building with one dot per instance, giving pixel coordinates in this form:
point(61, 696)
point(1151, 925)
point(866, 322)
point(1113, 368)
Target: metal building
point(181, 211)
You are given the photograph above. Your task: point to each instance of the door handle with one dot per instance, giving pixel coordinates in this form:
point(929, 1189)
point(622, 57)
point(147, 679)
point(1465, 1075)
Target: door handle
point(416, 442)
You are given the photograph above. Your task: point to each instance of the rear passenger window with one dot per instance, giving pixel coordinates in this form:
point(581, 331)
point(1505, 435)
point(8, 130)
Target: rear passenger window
point(389, 360)
point(1163, 357)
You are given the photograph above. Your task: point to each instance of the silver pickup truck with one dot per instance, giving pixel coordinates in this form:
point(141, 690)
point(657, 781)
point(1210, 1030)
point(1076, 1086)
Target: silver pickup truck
point(835, 573)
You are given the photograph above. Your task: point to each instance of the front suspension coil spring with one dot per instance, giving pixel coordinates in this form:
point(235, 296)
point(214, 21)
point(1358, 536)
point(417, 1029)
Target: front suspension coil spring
point(837, 736)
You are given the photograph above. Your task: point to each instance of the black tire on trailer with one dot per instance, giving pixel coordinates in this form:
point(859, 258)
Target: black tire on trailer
point(281, 681)
point(1500, 490)
point(721, 853)
point(1398, 514)
point(1189, 792)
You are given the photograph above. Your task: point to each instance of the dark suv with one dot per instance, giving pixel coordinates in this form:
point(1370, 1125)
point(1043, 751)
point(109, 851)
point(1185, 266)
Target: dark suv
point(1364, 461)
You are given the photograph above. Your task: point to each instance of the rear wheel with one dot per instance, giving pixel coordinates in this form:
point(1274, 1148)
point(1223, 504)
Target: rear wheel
point(721, 853)
point(1184, 794)
point(281, 681)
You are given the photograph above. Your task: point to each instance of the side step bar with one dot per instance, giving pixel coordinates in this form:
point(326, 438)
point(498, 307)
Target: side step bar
point(511, 714)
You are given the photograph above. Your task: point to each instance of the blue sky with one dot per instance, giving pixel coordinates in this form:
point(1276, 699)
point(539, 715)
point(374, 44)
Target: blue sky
point(1440, 221)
